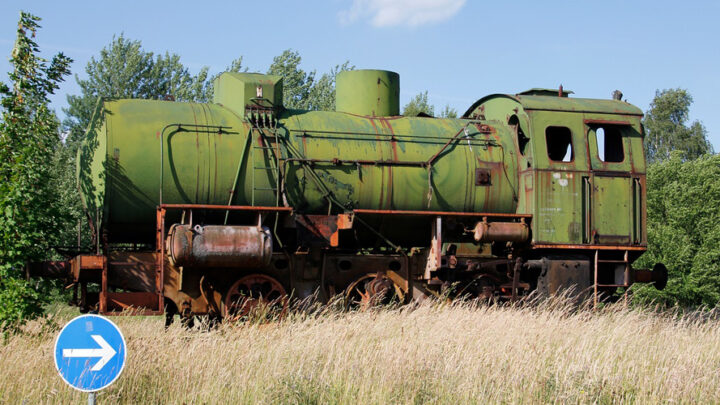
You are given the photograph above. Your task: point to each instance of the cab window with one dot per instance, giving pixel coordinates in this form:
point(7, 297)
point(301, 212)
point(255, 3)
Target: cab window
point(522, 140)
point(609, 142)
point(559, 144)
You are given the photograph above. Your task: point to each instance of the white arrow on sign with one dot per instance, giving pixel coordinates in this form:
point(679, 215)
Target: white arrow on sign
point(106, 352)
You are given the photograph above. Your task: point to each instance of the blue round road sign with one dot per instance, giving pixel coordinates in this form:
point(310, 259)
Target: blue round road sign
point(90, 353)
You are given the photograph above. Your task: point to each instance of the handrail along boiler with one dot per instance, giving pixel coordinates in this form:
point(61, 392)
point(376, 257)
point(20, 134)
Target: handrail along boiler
point(213, 208)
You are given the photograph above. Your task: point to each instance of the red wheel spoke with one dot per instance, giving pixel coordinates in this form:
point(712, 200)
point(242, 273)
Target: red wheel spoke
point(251, 292)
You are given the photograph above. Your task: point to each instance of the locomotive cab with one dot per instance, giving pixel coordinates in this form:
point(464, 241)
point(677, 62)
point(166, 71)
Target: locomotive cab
point(582, 171)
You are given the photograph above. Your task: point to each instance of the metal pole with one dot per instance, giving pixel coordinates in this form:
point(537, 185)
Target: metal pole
point(91, 398)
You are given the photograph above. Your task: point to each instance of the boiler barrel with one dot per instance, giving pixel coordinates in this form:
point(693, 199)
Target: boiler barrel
point(326, 158)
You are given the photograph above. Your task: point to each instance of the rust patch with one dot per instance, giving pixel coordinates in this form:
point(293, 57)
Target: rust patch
point(316, 230)
point(484, 128)
point(235, 246)
point(254, 291)
point(393, 146)
point(382, 169)
point(482, 177)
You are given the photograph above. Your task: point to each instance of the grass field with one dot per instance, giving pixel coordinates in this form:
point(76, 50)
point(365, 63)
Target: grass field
point(432, 353)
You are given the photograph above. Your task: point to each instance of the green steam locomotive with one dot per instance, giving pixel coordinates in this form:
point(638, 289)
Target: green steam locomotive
point(217, 208)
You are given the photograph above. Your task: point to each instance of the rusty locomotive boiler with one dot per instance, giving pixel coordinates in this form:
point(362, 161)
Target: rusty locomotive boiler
point(214, 208)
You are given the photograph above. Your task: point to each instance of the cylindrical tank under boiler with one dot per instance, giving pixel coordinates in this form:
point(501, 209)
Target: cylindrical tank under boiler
point(219, 246)
point(502, 232)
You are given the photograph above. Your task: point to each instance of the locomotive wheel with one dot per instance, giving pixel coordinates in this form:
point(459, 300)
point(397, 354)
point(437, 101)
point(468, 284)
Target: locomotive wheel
point(372, 289)
point(256, 294)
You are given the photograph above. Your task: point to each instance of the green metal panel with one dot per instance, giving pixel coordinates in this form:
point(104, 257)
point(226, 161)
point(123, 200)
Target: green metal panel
point(632, 141)
point(550, 103)
point(238, 90)
point(368, 92)
point(612, 206)
point(324, 136)
point(558, 215)
point(559, 210)
point(90, 165)
point(570, 104)
point(596, 163)
point(120, 160)
point(502, 110)
point(541, 121)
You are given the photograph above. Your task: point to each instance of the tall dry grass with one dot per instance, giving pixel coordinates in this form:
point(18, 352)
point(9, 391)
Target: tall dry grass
point(432, 353)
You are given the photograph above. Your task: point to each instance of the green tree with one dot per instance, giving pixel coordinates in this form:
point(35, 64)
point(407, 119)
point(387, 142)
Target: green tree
point(448, 112)
point(420, 104)
point(417, 105)
point(124, 70)
point(666, 128)
point(29, 136)
point(203, 84)
point(296, 82)
point(322, 93)
point(301, 89)
point(684, 230)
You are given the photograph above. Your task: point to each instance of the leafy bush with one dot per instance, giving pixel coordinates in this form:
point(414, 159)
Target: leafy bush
point(30, 215)
point(684, 230)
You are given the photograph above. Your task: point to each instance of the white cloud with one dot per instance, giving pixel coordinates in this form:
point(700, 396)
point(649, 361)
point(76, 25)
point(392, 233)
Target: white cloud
point(386, 13)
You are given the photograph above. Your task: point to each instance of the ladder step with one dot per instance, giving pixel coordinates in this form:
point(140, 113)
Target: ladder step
point(265, 188)
point(265, 147)
point(611, 261)
point(264, 168)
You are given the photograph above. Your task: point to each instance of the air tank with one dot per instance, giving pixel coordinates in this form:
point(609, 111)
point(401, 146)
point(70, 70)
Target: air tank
point(219, 246)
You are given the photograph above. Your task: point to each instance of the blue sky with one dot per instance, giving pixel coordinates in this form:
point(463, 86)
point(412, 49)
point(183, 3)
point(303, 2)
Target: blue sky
point(457, 50)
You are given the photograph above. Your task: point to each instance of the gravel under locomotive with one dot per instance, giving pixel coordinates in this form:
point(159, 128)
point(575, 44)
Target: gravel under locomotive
point(213, 208)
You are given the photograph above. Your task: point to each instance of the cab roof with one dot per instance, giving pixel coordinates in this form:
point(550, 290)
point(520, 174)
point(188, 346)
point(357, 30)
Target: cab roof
point(567, 104)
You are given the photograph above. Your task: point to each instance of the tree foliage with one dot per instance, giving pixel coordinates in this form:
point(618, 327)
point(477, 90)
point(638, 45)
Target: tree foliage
point(322, 93)
point(124, 70)
point(684, 230)
point(30, 216)
point(666, 128)
point(302, 90)
point(296, 82)
point(203, 84)
point(420, 104)
point(417, 105)
point(448, 112)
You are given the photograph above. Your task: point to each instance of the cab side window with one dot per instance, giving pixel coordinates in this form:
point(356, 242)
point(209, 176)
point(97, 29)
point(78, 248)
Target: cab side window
point(522, 140)
point(559, 144)
point(609, 142)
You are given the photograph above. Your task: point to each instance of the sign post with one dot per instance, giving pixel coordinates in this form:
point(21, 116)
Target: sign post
point(90, 353)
